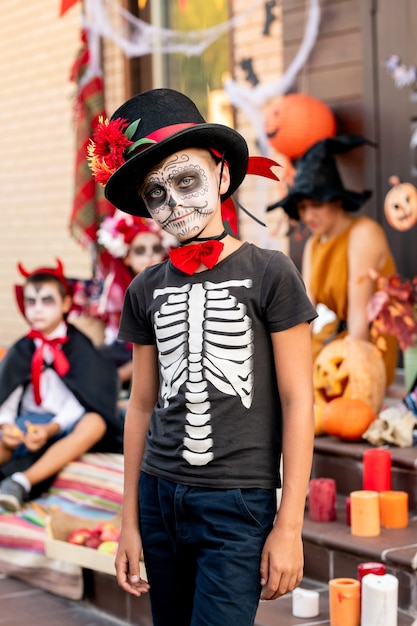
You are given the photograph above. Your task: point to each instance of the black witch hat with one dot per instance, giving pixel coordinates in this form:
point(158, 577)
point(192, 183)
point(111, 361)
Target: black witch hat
point(318, 178)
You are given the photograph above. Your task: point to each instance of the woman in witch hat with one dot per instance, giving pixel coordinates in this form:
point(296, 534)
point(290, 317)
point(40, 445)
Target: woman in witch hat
point(342, 249)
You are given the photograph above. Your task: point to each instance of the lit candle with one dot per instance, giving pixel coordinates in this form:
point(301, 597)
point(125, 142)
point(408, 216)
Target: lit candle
point(377, 470)
point(393, 508)
point(344, 602)
point(364, 513)
point(322, 500)
point(379, 600)
point(305, 603)
point(378, 569)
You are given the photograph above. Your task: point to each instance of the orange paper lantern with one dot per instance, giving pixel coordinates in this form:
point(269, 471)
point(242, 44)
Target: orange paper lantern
point(293, 123)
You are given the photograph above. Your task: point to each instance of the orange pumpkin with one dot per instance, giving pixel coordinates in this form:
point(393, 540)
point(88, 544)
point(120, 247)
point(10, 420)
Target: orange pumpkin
point(351, 368)
point(293, 123)
point(400, 205)
point(347, 418)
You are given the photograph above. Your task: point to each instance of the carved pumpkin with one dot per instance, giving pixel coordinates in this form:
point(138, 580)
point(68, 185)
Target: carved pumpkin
point(347, 418)
point(350, 368)
point(400, 205)
point(293, 123)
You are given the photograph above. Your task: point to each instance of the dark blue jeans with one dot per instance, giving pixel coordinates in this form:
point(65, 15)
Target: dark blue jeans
point(202, 550)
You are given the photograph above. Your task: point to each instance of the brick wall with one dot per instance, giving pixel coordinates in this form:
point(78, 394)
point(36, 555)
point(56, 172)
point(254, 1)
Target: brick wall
point(37, 49)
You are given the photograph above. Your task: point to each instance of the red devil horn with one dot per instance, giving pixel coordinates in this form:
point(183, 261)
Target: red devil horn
point(59, 267)
point(22, 270)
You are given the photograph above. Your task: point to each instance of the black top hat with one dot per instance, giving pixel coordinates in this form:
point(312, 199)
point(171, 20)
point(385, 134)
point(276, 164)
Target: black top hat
point(174, 122)
point(317, 176)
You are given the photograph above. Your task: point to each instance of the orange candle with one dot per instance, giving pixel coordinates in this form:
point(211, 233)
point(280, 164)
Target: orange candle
point(344, 602)
point(393, 509)
point(364, 513)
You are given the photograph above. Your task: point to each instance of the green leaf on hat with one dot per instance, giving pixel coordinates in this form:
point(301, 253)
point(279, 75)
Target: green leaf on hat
point(138, 143)
point(131, 129)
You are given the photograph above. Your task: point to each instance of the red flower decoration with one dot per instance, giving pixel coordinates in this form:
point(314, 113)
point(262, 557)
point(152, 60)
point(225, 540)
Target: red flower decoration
point(106, 149)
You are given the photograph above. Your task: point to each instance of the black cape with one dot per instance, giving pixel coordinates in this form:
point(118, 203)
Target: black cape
point(92, 379)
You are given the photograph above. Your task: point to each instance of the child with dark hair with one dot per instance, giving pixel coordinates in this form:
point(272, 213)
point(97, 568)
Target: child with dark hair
point(58, 395)
point(222, 378)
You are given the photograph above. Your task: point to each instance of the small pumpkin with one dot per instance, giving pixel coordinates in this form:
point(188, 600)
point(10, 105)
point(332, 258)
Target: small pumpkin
point(400, 205)
point(347, 418)
point(351, 368)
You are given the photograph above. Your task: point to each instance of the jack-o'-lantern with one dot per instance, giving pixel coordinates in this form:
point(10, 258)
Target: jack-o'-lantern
point(351, 368)
point(293, 123)
point(400, 205)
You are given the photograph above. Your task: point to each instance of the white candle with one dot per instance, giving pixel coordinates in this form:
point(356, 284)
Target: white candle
point(305, 603)
point(379, 600)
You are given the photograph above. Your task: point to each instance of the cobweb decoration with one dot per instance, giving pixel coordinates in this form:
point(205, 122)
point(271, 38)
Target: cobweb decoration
point(137, 38)
point(250, 101)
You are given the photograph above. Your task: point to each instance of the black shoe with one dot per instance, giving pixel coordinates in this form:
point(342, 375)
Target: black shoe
point(12, 495)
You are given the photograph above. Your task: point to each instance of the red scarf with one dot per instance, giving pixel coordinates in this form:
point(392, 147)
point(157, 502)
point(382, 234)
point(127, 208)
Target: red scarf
point(59, 359)
point(189, 258)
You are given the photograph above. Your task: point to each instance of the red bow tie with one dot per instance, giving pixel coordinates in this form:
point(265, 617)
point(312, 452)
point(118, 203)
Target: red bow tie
point(60, 361)
point(189, 258)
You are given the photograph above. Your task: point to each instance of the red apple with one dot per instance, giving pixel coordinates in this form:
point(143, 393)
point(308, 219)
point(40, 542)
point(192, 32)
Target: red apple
point(79, 535)
point(109, 532)
point(93, 541)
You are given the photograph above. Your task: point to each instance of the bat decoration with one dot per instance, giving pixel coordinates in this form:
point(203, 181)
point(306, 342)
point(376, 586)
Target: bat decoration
point(251, 77)
point(269, 15)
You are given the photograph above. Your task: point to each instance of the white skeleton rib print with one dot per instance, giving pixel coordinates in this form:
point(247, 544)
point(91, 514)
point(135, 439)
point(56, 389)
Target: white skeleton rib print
point(203, 335)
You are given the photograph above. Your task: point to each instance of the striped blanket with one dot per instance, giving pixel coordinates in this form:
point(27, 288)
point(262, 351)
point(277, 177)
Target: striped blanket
point(90, 488)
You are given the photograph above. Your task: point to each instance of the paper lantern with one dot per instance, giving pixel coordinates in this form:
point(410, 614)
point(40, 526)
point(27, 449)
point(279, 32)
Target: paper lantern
point(293, 123)
point(351, 368)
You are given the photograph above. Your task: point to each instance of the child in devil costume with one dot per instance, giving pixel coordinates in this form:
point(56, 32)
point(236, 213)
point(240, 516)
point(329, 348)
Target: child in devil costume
point(58, 395)
point(222, 379)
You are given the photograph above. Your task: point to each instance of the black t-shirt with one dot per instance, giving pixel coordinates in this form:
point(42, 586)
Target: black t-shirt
point(217, 422)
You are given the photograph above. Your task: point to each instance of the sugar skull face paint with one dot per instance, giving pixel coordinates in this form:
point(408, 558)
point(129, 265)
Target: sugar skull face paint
point(182, 193)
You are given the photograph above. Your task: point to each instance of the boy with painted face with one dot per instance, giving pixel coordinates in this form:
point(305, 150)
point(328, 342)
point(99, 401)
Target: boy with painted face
point(57, 394)
point(222, 378)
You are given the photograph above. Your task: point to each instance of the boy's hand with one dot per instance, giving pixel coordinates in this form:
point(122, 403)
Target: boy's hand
point(12, 436)
point(36, 436)
point(281, 564)
point(127, 563)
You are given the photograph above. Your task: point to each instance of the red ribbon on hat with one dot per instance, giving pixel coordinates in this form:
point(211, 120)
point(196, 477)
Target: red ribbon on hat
point(60, 361)
point(189, 258)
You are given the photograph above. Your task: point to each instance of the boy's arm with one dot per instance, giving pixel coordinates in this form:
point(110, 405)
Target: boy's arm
point(142, 400)
point(282, 558)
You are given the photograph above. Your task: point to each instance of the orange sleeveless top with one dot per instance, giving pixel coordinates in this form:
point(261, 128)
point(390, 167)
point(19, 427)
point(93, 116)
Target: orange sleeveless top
point(329, 286)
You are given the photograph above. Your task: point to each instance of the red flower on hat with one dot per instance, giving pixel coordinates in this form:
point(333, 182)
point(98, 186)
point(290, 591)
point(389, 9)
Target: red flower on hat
point(110, 145)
